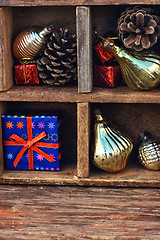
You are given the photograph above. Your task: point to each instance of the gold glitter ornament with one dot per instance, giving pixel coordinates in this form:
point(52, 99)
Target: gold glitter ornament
point(30, 42)
point(111, 147)
point(149, 152)
point(140, 71)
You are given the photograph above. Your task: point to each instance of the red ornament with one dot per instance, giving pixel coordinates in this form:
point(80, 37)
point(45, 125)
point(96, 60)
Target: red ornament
point(104, 55)
point(106, 76)
point(26, 74)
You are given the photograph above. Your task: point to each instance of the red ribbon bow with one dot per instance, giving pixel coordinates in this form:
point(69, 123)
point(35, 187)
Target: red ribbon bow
point(31, 144)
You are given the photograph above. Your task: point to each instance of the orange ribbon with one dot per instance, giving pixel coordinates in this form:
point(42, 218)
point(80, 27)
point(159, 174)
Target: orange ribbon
point(31, 144)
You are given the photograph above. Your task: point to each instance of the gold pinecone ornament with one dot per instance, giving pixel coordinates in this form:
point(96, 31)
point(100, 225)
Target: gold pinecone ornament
point(139, 28)
point(58, 63)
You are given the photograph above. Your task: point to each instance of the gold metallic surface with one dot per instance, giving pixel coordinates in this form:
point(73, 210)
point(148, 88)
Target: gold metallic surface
point(30, 42)
point(149, 154)
point(140, 71)
point(111, 147)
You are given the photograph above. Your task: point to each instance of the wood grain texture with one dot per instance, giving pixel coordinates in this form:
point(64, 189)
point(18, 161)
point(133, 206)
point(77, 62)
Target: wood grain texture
point(83, 139)
point(75, 213)
point(121, 94)
point(131, 176)
point(6, 80)
point(84, 49)
point(72, 2)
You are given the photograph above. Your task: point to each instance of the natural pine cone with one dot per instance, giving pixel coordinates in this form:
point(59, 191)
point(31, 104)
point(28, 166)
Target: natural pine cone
point(57, 64)
point(139, 28)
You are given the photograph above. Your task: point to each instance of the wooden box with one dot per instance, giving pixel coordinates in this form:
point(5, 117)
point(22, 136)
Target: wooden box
point(130, 110)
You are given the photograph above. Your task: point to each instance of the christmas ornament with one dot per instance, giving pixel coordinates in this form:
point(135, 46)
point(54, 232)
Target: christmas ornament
point(30, 42)
point(57, 64)
point(104, 55)
point(139, 71)
point(149, 152)
point(26, 74)
point(32, 142)
point(139, 28)
point(106, 76)
point(111, 147)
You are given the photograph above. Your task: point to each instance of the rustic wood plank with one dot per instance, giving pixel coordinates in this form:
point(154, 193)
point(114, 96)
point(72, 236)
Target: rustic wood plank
point(132, 176)
point(84, 49)
point(26, 3)
point(73, 2)
point(121, 2)
point(6, 80)
point(74, 213)
point(83, 140)
point(121, 94)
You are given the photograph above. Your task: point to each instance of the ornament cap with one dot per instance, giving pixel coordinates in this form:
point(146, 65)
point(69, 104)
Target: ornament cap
point(98, 115)
point(144, 136)
point(47, 30)
point(110, 45)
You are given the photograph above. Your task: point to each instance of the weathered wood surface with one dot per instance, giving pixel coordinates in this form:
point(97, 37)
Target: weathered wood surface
point(83, 139)
point(72, 2)
point(84, 49)
point(72, 213)
point(5, 49)
point(131, 176)
point(121, 94)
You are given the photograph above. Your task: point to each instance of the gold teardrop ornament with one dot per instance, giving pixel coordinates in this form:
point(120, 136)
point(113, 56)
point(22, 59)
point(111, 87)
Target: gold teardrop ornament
point(111, 147)
point(30, 42)
point(149, 152)
point(140, 71)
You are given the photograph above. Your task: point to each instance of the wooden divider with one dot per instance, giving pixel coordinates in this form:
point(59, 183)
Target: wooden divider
point(84, 49)
point(5, 48)
point(83, 131)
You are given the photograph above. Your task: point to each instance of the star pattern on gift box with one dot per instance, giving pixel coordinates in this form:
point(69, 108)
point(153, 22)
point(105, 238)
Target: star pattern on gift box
point(33, 125)
point(54, 137)
point(23, 116)
point(20, 125)
point(10, 156)
point(9, 125)
point(52, 155)
point(41, 125)
point(39, 157)
point(59, 156)
point(51, 125)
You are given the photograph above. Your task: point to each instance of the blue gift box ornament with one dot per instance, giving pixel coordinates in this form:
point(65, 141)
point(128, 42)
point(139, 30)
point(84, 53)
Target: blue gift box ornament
point(31, 142)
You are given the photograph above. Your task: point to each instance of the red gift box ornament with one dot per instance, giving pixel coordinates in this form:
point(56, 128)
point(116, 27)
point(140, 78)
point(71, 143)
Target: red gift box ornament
point(31, 144)
point(104, 55)
point(26, 73)
point(107, 76)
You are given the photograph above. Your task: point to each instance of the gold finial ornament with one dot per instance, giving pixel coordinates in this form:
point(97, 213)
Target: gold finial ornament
point(140, 71)
point(111, 147)
point(149, 152)
point(30, 42)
